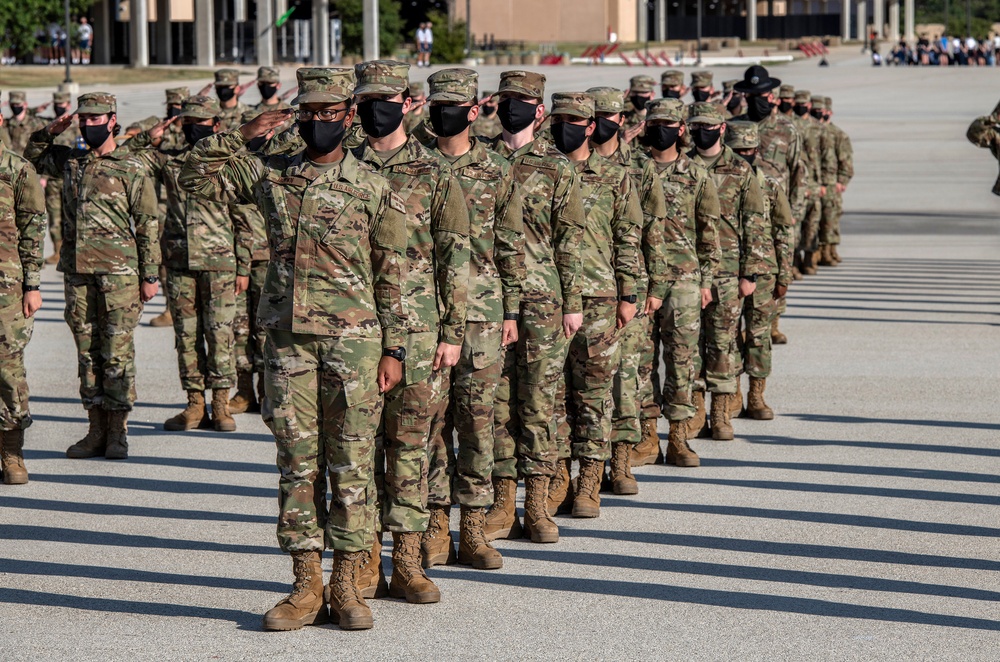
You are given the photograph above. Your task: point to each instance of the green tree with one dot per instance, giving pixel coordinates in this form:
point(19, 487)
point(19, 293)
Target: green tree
point(390, 21)
point(20, 20)
point(449, 41)
point(984, 14)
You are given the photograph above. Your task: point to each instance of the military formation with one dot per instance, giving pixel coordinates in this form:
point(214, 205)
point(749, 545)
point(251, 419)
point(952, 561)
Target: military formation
point(429, 291)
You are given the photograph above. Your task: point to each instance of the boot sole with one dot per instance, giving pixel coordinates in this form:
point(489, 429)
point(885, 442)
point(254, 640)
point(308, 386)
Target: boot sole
point(626, 490)
point(481, 565)
point(225, 427)
point(203, 424)
point(357, 623)
point(586, 512)
point(83, 455)
point(14, 480)
point(779, 341)
point(116, 456)
point(513, 532)
point(722, 436)
point(441, 558)
point(424, 598)
point(321, 617)
point(541, 538)
point(380, 590)
point(642, 461)
point(761, 415)
point(684, 463)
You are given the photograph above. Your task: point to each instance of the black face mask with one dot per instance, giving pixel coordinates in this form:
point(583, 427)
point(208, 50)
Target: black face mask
point(225, 93)
point(322, 137)
point(784, 106)
point(173, 111)
point(639, 103)
point(758, 107)
point(449, 120)
point(705, 138)
point(267, 90)
point(568, 137)
point(379, 118)
point(734, 104)
point(487, 111)
point(700, 94)
point(662, 138)
point(818, 114)
point(95, 135)
point(17, 110)
point(257, 143)
point(671, 94)
point(516, 115)
point(605, 131)
point(749, 158)
point(195, 132)
point(60, 110)
point(801, 111)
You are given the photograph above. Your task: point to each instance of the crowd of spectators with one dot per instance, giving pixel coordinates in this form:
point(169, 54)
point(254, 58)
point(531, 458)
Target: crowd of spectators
point(942, 52)
point(54, 45)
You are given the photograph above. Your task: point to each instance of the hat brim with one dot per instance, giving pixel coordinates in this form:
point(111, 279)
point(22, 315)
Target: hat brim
point(517, 89)
point(451, 96)
point(760, 88)
point(198, 114)
point(268, 80)
point(95, 109)
point(319, 97)
point(572, 112)
point(739, 144)
point(705, 119)
point(380, 88)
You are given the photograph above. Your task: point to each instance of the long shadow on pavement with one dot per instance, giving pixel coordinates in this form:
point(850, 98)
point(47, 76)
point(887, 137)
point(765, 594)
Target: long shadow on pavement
point(772, 440)
point(120, 510)
point(827, 418)
point(860, 470)
point(179, 462)
point(125, 540)
point(156, 485)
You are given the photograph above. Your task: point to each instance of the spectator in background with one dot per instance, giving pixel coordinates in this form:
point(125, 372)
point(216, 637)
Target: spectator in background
point(424, 39)
point(86, 35)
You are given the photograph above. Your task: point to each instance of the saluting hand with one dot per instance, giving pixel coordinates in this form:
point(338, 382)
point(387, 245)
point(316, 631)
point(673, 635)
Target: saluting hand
point(60, 124)
point(203, 92)
point(631, 133)
point(157, 130)
point(264, 122)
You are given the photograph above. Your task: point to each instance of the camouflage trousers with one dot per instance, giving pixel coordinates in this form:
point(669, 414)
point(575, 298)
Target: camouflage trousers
point(102, 312)
point(652, 399)
point(833, 208)
point(530, 393)
point(15, 332)
point(680, 320)
point(717, 347)
point(754, 341)
point(470, 414)
point(53, 206)
point(248, 335)
point(202, 304)
point(625, 393)
point(807, 230)
point(323, 407)
point(594, 357)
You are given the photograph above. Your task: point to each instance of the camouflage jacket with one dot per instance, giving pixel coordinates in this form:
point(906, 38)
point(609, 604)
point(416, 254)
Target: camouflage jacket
point(20, 131)
point(780, 155)
point(845, 154)
point(818, 151)
point(22, 226)
point(109, 214)
point(251, 237)
point(690, 229)
point(633, 118)
point(487, 127)
point(437, 229)
point(744, 229)
point(419, 126)
point(173, 138)
point(782, 226)
point(5, 136)
point(496, 267)
point(337, 238)
point(230, 118)
point(554, 222)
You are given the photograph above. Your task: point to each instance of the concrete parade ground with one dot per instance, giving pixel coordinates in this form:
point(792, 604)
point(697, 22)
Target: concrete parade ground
point(863, 523)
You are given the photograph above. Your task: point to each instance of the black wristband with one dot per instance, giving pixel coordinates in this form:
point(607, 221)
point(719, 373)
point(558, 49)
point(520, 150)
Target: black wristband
point(511, 317)
point(628, 299)
point(751, 278)
point(151, 280)
point(399, 353)
point(29, 288)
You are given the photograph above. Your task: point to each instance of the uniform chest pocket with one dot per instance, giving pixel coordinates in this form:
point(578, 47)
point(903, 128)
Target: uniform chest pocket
point(481, 198)
point(344, 228)
point(6, 194)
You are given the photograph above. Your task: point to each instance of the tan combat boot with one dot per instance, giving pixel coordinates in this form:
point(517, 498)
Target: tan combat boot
point(473, 548)
point(117, 448)
point(809, 263)
point(408, 578)
point(826, 256)
point(646, 451)
point(777, 337)
point(501, 519)
point(538, 525)
point(756, 407)
point(436, 544)
point(796, 274)
point(244, 401)
point(305, 605)
point(162, 320)
point(54, 258)
point(193, 416)
point(622, 480)
point(678, 451)
point(698, 426)
point(371, 576)
point(12, 457)
point(347, 608)
point(736, 399)
point(722, 427)
point(588, 498)
point(94, 442)
point(560, 499)
point(222, 420)
point(834, 255)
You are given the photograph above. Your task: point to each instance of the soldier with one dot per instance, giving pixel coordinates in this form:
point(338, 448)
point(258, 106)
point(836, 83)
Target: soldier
point(640, 90)
point(672, 84)
point(437, 226)
point(228, 89)
point(532, 383)
point(701, 86)
point(819, 150)
point(745, 243)
point(199, 251)
point(833, 202)
point(268, 84)
point(761, 308)
point(487, 125)
point(611, 265)
point(53, 194)
point(496, 271)
point(985, 132)
point(786, 100)
point(735, 104)
point(22, 235)
point(417, 121)
point(335, 320)
point(21, 124)
point(110, 261)
point(632, 383)
point(692, 254)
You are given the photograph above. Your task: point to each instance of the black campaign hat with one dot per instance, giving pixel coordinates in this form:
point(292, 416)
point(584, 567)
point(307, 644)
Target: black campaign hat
point(756, 81)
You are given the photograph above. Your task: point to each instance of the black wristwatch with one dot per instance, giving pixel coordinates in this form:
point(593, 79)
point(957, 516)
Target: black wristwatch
point(399, 353)
point(152, 280)
point(751, 278)
point(629, 299)
point(511, 317)
point(30, 288)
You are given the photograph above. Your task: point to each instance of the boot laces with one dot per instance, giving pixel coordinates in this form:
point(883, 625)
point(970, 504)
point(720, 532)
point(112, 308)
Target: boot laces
point(345, 576)
point(434, 527)
point(475, 521)
point(620, 463)
point(407, 559)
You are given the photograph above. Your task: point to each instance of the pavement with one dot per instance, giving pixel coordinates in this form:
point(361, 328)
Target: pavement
point(861, 524)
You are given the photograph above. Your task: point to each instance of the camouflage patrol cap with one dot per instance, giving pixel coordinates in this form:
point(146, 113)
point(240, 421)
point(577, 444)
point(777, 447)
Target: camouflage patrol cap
point(250, 115)
point(527, 83)
point(62, 97)
point(670, 110)
point(642, 83)
point(268, 75)
point(727, 86)
point(225, 77)
point(142, 125)
point(458, 85)
point(417, 89)
point(701, 79)
point(786, 92)
point(577, 104)
point(607, 99)
point(742, 135)
point(818, 102)
point(703, 112)
point(17, 96)
point(382, 77)
point(487, 93)
point(803, 96)
point(199, 107)
point(176, 95)
point(829, 103)
point(672, 78)
point(96, 103)
point(324, 84)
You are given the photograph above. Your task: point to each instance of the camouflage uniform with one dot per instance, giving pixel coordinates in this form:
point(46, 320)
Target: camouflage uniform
point(983, 132)
point(417, 122)
point(436, 293)
point(822, 159)
point(692, 253)
point(20, 130)
point(111, 242)
point(230, 117)
point(532, 385)
point(53, 194)
point(635, 116)
point(781, 156)
point(332, 299)
point(487, 126)
point(745, 243)
point(833, 203)
point(272, 76)
point(496, 271)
